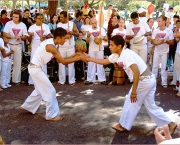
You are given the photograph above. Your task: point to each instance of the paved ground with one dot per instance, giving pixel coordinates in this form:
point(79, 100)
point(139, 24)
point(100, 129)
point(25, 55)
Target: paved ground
point(88, 111)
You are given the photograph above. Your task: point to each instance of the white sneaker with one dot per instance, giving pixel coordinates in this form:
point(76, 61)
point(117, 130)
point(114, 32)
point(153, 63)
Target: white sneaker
point(172, 84)
point(4, 87)
point(8, 85)
point(164, 86)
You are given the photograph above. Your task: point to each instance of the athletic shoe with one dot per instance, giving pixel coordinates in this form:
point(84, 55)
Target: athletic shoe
point(164, 86)
point(4, 87)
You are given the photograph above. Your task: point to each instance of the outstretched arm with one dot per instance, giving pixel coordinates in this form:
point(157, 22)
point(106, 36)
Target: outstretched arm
point(99, 61)
point(52, 49)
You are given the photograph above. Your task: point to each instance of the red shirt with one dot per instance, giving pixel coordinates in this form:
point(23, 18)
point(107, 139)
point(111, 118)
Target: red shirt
point(4, 21)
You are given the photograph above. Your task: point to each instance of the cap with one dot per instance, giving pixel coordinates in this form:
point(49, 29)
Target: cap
point(141, 10)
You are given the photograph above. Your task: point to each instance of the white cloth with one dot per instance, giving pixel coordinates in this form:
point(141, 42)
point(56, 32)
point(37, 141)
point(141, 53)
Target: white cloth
point(166, 34)
point(175, 141)
point(144, 19)
point(177, 68)
point(157, 59)
point(126, 59)
point(7, 50)
point(169, 15)
point(141, 28)
point(118, 32)
point(145, 91)
point(44, 90)
point(94, 33)
point(36, 42)
point(62, 68)
point(93, 67)
point(85, 28)
point(145, 95)
point(15, 29)
point(69, 43)
point(43, 87)
point(5, 73)
point(1, 45)
point(66, 50)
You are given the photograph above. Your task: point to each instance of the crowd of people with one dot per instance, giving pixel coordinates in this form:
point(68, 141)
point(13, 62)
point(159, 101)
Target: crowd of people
point(139, 48)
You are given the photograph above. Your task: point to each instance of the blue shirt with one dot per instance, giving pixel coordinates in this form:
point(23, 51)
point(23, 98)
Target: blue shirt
point(78, 24)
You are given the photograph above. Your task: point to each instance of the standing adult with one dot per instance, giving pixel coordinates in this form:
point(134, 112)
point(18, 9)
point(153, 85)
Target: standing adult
point(67, 49)
point(44, 90)
point(27, 20)
point(38, 32)
point(96, 50)
point(16, 31)
point(161, 50)
point(137, 29)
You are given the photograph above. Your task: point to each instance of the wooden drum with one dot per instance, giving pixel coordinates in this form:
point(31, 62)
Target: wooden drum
point(118, 75)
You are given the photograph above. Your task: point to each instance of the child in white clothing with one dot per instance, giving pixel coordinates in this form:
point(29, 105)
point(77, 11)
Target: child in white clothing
point(6, 64)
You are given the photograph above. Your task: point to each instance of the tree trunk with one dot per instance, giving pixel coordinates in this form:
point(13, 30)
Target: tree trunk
point(52, 6)
point(14, 4)
point(28, 3)
point(85, 2)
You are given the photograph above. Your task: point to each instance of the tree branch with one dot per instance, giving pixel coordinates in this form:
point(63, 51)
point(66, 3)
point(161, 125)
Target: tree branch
point(96, 2)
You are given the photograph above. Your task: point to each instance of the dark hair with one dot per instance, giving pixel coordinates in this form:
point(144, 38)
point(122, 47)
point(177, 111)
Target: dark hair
point(38, 14)
point(3, 12)
point(84, 21)
point(26, 10)
point(176, 16)
point(17, 12)
point(79, 13)
point(178, 21)
point(64, 13)
point(163, 18)
point(59, 32)
point(110, 5)
point(118, 40)
point(81, 32)
point(52, 19)
point(149, 19)
point(134, 15)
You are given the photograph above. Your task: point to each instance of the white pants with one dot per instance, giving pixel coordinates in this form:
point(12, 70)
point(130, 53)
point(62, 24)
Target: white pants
point(145, 95)
point(91, 72)
point(62, 70)
point(141, 50)
point(177, 67)
point(44, 90)
point(149, 57)
point(35, 44)
point(157, 59)
point(17, 58)
point(5, 73)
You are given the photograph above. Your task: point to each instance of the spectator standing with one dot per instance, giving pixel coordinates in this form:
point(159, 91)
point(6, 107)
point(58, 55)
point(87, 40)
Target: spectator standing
point(67, 49)
point(53, 23)
point(161, 50)
point(38, 32)
point(16, 31)
point(109, 12)
point(4, 19)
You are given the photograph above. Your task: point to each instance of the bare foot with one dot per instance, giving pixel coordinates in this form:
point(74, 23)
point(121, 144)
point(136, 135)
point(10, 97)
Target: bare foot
point(172, 127)
point(22, 109)
point(57, 118)
point(118, 127)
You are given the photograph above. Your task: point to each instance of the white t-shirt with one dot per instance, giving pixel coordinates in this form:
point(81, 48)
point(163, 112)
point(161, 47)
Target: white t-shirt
point(141, 28)
point(38, 32)
point(126, 59)
point(144, 19)
point(118, 32)
point(1, 45)
point(175, 141)
point(7, 50)
point(166, 34)
point(92, 45)
point(169, 15)
point(85, 28)
point(15, 29)
point(41, 56)
point(178, 46)
point(69, 43)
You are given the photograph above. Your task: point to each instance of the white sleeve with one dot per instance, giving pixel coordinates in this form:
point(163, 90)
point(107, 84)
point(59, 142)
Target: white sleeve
point(103, 33)
point(171, 36)
point(128, 30)
point(146, 27)
point(113, 57)
point(1, 42)
point(47, 30)
point(153, 34)
point(31, 29)
point(129, 59)
point(113, 33)
point(6, 28)
point(24, 30)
